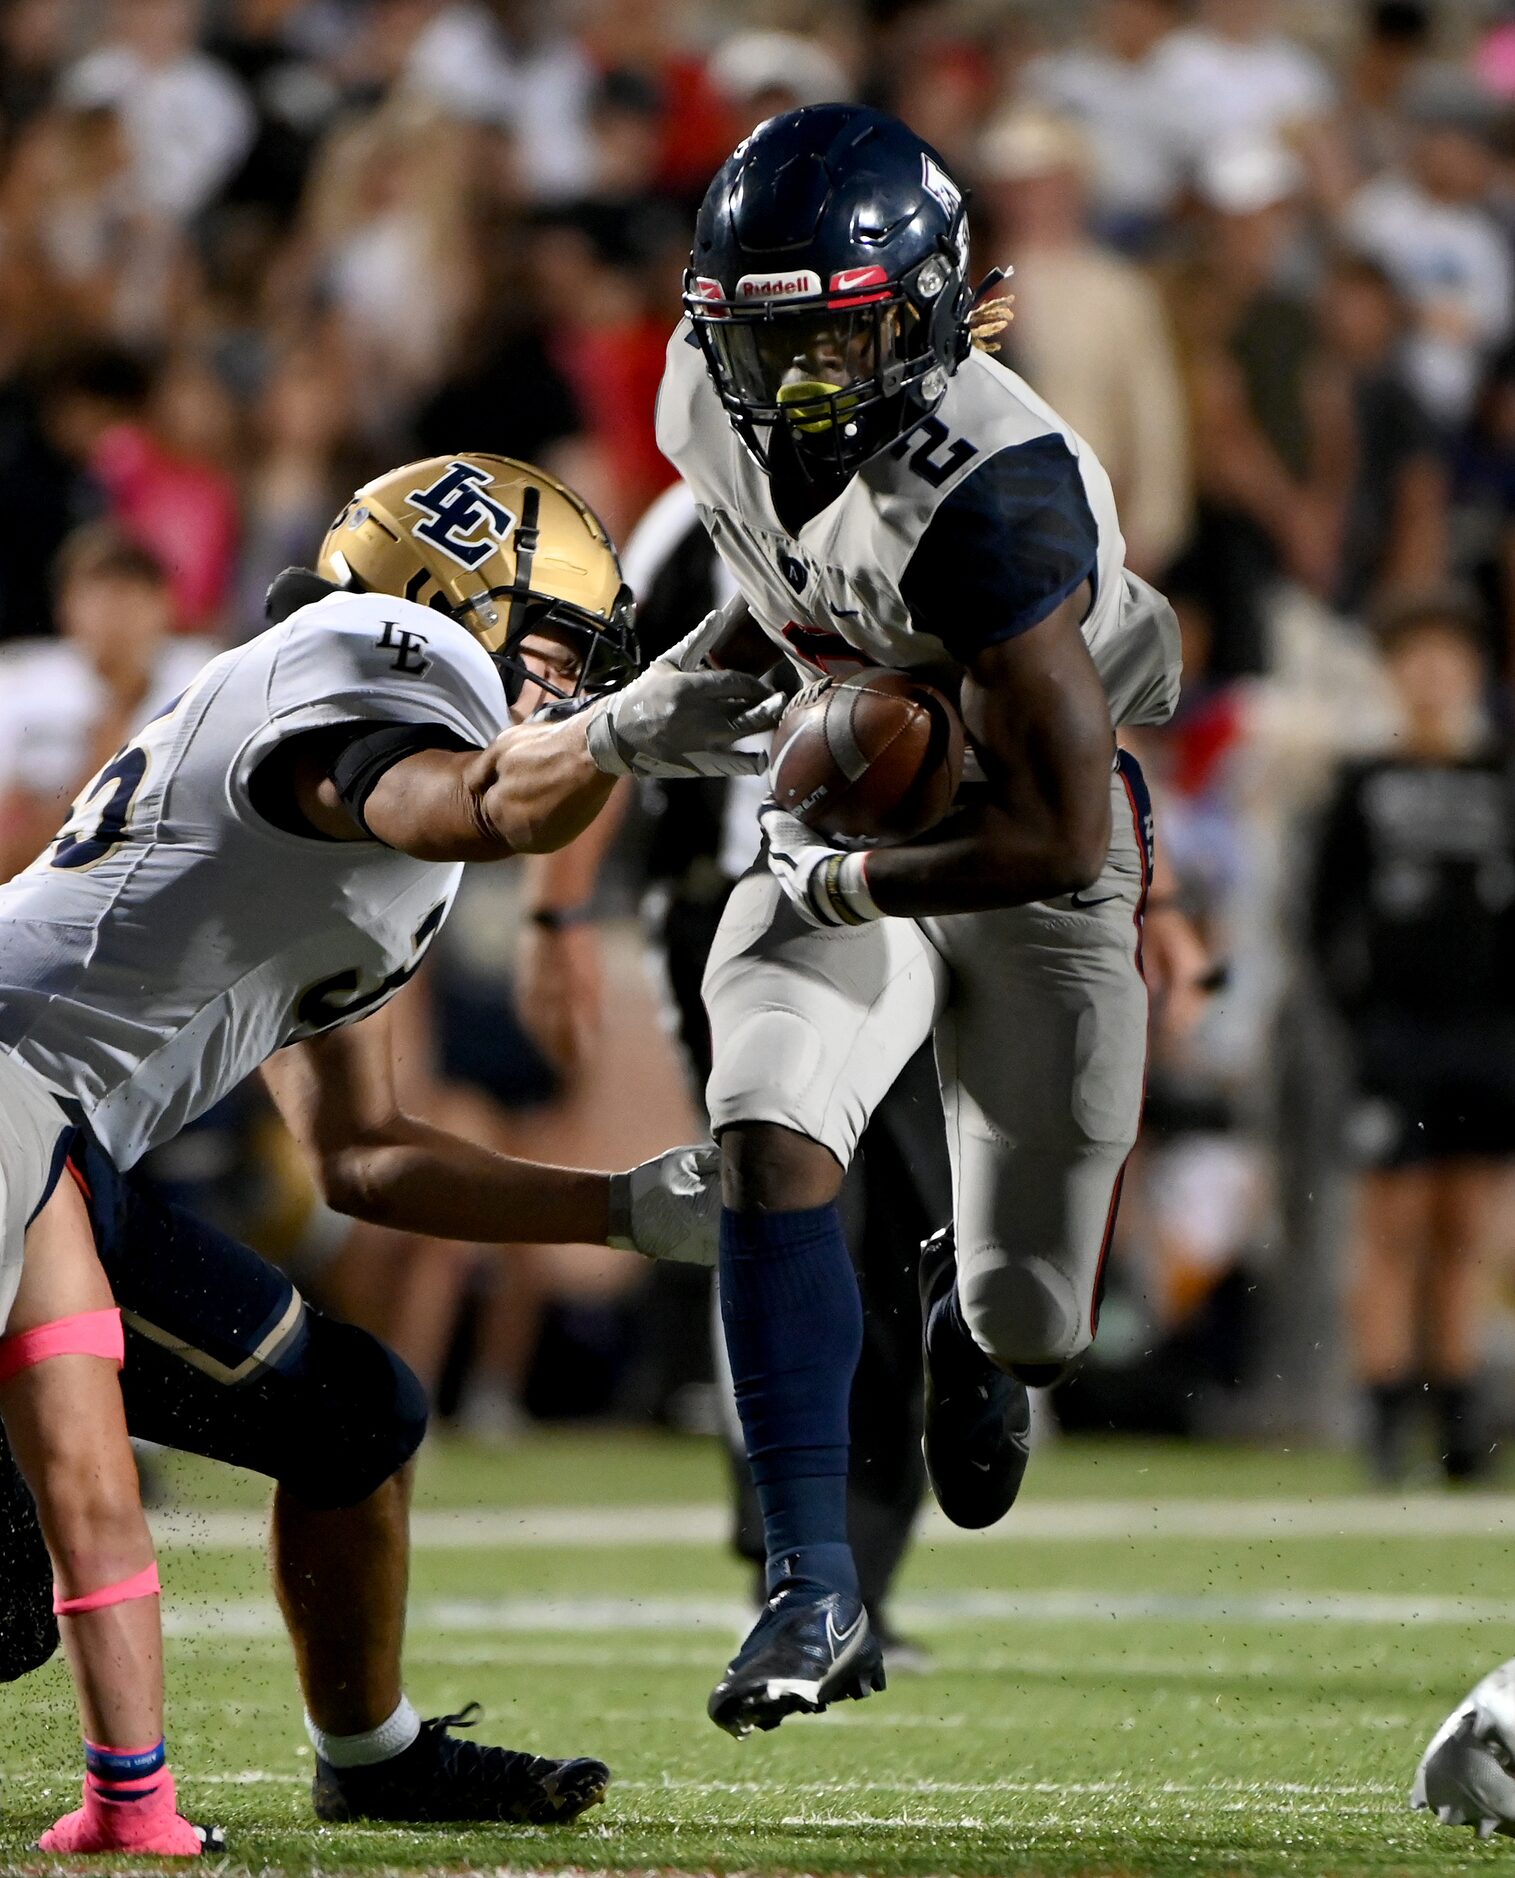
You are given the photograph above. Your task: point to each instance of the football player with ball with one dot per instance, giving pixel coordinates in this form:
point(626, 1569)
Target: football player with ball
point(886, 494)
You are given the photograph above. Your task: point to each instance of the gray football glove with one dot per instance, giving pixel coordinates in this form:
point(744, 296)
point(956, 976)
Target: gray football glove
point(670, 1207)
point(1465, 1775)
point(680, 719)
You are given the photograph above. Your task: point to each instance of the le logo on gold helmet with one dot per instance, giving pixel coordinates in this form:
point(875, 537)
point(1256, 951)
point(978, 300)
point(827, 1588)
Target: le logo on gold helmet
point(503, 547)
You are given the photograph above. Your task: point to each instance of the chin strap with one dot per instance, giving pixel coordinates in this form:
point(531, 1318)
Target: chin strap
point(996, 277)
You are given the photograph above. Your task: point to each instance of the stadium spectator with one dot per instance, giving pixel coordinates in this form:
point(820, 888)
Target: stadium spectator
point(1270, 460)
point(67, 704)
point(512, 64)
point(299, 473)
point(652, 44)
point(140, 432)
point(502, 383)
point(35, 40)
point(1236, 78)
point(1483, 507)
point(69, 225)
point(757, 75)
point(47, 494)
point(293, 98)
point(1116, 81)
point(1430, 226)
point(1412, 919)
point(187, 121)
point(387, 206)
point(1394, 527)
point(1090, 331)
point(1393, 54)
point(608, 343)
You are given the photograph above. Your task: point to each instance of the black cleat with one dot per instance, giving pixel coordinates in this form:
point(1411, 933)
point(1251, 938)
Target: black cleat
point(807, 1650)
point(978, 1419)
point(28, 1628)
point(438, 1778)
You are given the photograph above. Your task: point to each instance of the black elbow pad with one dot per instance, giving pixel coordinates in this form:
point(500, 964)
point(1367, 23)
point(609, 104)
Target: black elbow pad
point(374, 749)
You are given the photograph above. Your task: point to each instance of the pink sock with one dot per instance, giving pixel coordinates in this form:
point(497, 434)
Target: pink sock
point(129, 1806)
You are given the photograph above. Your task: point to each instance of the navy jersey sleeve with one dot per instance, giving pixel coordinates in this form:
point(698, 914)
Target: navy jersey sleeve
point(1010, 543)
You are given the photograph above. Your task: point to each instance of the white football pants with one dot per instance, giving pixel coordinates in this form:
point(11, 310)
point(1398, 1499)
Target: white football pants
point(1039, 1015)
point(33, 1133)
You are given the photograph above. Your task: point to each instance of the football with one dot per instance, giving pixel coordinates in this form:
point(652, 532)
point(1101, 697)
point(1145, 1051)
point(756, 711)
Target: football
point(876, 757)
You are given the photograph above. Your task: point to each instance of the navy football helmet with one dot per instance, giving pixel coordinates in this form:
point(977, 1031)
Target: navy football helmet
point(827, 284)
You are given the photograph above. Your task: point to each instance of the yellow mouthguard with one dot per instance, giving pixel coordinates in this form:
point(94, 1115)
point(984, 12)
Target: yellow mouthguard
point(813, 392)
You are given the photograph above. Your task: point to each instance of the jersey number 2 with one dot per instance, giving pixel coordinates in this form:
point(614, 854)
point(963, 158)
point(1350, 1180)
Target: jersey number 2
point(117, 784)
point(927, 464)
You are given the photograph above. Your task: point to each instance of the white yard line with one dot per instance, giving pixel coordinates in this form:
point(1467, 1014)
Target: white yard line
point(622, 1616)
point(617, 1528)
point(1246, 1791)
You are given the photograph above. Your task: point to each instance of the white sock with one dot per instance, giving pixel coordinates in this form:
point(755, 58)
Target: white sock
point(383, 1743)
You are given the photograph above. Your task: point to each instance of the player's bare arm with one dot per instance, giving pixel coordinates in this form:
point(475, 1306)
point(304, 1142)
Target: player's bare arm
point(337, 1096)
point(1039, 718)
point(541, 782)
point(373, 1161)
point(530, 792)
point(1037, 712)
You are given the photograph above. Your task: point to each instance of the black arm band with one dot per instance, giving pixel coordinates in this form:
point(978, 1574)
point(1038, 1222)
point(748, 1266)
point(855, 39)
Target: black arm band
point(374, 749)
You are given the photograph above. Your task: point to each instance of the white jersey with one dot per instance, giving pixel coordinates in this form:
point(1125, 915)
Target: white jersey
point(171, 938)
point(967, 530)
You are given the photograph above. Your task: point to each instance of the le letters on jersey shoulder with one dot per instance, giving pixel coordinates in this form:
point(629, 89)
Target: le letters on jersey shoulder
point(380, 657)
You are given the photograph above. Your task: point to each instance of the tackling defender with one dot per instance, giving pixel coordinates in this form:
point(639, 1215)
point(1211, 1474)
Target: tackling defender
point(262, 866)
point(886, 494)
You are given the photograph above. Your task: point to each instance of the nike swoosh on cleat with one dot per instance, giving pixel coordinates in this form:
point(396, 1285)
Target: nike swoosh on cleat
point(839, 1639)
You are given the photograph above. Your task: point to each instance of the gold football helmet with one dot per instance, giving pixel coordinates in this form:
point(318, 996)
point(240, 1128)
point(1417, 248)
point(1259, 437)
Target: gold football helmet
point(504, 548)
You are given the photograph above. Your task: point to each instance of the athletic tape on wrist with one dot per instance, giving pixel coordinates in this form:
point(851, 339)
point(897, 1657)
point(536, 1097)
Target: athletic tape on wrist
point(142, 1584)
point(89, 1333)
point(603, 747)
point(843, 883)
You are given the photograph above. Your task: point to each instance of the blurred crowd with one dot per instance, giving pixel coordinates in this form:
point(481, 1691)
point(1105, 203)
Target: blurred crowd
point(254, 251)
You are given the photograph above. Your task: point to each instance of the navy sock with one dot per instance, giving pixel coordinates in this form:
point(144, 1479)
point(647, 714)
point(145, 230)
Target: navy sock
point(794, 1331)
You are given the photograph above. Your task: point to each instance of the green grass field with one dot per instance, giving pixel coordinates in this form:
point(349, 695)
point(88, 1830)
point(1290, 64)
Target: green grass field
point(1168, 1661)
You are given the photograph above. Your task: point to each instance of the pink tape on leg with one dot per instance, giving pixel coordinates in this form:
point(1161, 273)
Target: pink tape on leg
point(89, 1333)
point(142, 1584)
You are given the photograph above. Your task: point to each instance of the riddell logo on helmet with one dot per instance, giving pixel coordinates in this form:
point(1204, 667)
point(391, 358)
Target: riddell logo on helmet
point(788, 286)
